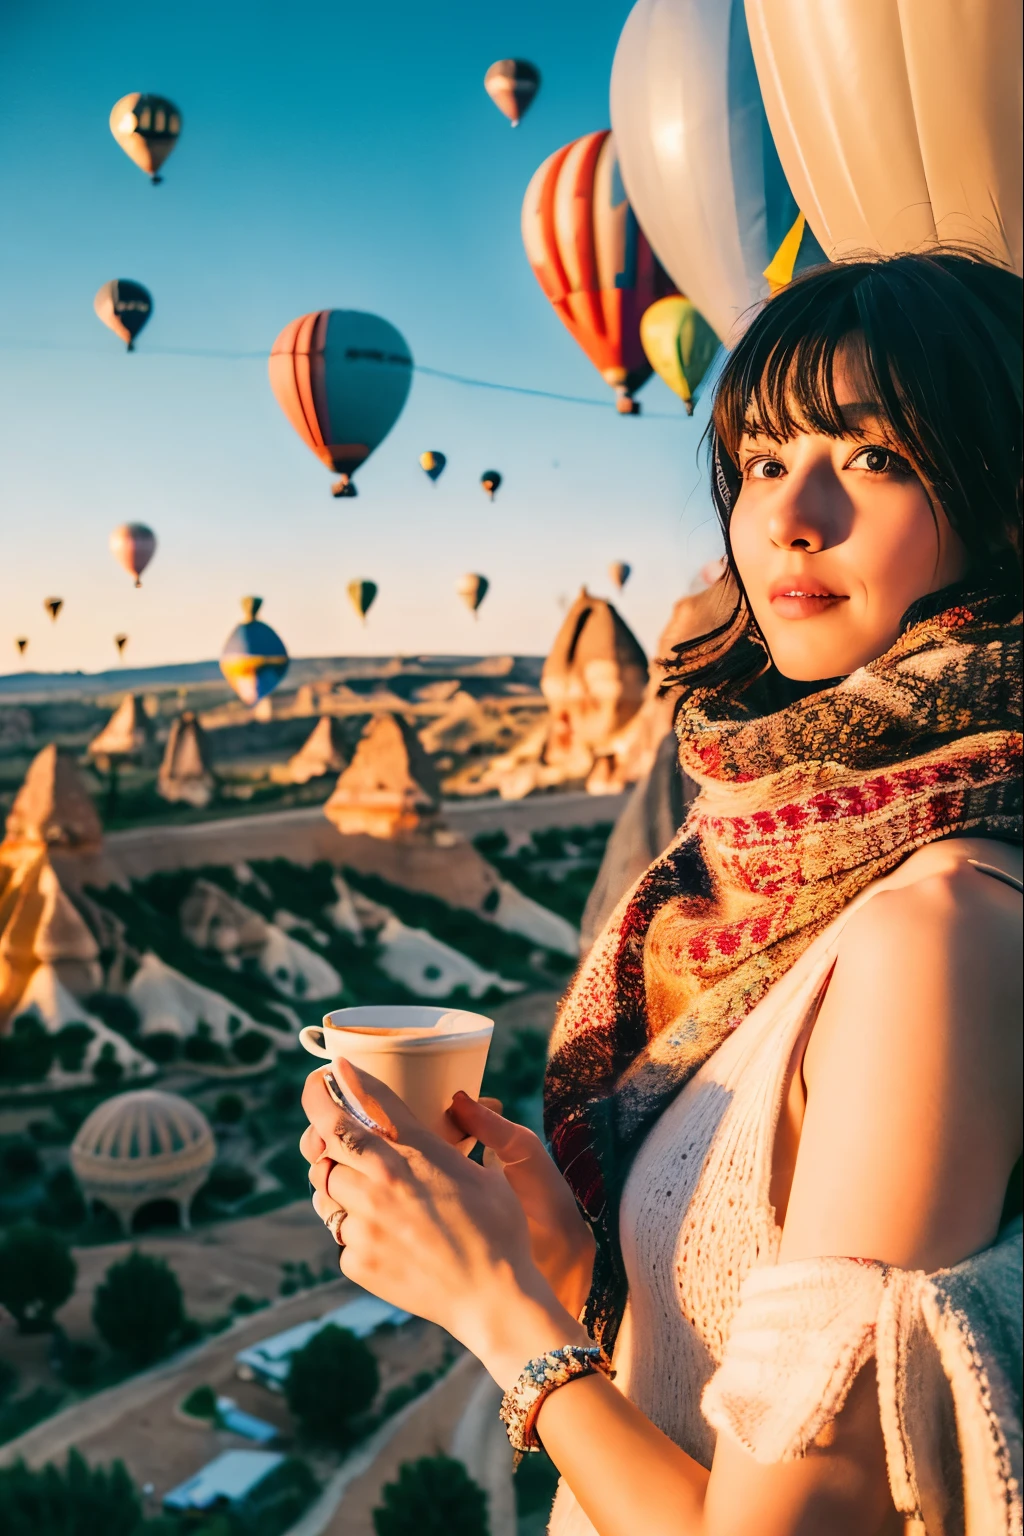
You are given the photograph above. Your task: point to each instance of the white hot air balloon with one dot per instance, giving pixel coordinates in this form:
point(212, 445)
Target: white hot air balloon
point(697, 159)
point(898, 122)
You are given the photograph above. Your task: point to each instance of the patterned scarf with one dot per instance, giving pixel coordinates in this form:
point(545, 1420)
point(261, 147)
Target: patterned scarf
point(799, 810)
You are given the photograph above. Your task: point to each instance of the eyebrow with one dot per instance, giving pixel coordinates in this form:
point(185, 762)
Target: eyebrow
point(852, 412)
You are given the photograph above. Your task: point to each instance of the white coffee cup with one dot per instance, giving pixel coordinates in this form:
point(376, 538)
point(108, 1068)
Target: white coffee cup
point(425, 1055)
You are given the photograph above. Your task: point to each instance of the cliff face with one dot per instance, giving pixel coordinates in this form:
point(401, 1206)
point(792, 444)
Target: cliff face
point(390, 788)
point(185, 773)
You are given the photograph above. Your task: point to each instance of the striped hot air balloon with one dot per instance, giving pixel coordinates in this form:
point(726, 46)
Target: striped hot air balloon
point(512, 84)
point(133, 546)
point(592, 260)
point(254, 659)
point(472, 588)
point(124, 306)
point(147, 129)
point(362, 594)
point(342, 378)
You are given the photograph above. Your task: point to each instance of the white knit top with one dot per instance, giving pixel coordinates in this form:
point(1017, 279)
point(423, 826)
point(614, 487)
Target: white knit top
point(696, 1218)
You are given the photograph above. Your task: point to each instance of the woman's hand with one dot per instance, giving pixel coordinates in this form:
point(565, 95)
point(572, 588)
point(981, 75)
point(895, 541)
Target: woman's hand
point(427, 1229)
point(561, 1243)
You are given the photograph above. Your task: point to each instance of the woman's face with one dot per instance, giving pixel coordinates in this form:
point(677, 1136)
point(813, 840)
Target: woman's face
point(834, 538)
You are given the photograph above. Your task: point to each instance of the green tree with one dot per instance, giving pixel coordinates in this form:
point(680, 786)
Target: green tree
point(434, 1496)
point(26, 1052)
point(77, 1500)
point(138, 1309)
point(37, 1275)
point(332, 1378)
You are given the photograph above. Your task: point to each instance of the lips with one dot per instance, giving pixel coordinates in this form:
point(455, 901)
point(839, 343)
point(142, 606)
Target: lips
point(795, 599)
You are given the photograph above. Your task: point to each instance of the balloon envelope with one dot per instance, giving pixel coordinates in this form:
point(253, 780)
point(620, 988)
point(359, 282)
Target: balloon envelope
point(897, 124)
point(490, 480)
point(680, 345)
point(133, 545)
point(512, 84)
point(362, 594)
point(432, 463)
point(697, 156)
point(341, 377)
point(124, 307)
point(147, 129)
point(120, 641)
point(22, 644)
point(472, 588)
point(254, 659)
point(592, 260)
point(53, 606)
point(620, 573)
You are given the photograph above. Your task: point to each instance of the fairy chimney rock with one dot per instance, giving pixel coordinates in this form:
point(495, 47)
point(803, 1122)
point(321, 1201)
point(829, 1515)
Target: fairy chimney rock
point(390, 788)
point(127, 734)
point(320, 753)
point(185, 773)
point(53, 809)
point(594, 680)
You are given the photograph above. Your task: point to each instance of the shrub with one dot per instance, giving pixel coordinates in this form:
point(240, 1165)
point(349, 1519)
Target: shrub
point(106, 1069)
point(250, 1047)
point(20, 1415)
point(77, 1361)
point(8, 1379)
point(434, 1496)
point(202, 1047)
point(243, 1305)
point(229, 1108)
point(117, 1012)
point(71, 1044)
point(26, 1053)
point(64, 1204)
point(37, 1275)
point(162, 1046)
point(19, 1161)
point(138, 1308)
point(333, 1355)
point(76, 1501)
point(201, 1403)
point(228, 1182)
point(535, 1483)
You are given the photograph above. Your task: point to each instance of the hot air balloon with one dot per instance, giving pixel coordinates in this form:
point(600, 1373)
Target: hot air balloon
point(490, 480)
point(362, 594)
point(254, 659)
point(512, 84)
point(897, 125)
point(133, 545)
point(620, 573)
point(432, 463)
point(53, 606)
point(341, 377)
point(472, 588)
point(697, 157)
point(120, 641)
point(124, 307)
point(147, 129)
point(592, 259)
point(22, 644)
point(680, 345)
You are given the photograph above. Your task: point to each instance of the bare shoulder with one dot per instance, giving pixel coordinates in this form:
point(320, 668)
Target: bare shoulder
point(913, 1073)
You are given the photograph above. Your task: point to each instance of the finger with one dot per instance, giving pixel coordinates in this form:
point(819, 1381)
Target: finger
point(311, 1144)
point(510, 1142)
point(347, 1187)
point(332, 1215)
point(494, 1104)
point(346, 1140)
point(319, 1172)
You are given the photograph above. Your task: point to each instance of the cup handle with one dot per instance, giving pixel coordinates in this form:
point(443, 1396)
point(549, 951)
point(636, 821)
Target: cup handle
point(312, 1037)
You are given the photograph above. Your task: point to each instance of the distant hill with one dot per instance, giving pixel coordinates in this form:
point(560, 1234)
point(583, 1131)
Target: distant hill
point(24, 687)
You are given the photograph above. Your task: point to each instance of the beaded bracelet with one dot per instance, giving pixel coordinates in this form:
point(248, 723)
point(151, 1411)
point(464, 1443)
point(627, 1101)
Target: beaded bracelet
point(523, 1400)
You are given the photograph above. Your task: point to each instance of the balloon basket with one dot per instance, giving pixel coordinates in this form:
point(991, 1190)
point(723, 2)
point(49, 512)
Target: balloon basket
point(627, 407)
point(342, 488)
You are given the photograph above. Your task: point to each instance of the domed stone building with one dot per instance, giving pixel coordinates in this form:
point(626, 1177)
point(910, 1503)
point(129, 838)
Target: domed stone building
point(142, 1148)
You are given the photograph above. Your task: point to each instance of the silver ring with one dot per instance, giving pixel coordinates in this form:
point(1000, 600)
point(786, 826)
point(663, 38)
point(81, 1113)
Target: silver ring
point(333, 1223)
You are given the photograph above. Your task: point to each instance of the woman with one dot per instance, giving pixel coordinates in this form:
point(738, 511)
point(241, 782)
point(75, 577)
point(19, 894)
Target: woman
point(784, 1093)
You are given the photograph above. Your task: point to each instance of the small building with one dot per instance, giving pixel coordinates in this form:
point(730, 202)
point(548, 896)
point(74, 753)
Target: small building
point(231, 1479)
point(269, 1361)
point(390, 788)
point(143, 1148)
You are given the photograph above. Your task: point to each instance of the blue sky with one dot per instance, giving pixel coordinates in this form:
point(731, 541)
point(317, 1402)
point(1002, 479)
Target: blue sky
point(333, 155)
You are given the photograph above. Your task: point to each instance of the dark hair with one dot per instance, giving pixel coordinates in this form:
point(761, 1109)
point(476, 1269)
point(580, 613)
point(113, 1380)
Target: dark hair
point(940, 340)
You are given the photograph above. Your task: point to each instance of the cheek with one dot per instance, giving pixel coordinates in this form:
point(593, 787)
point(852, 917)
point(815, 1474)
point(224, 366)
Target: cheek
point(894, 549)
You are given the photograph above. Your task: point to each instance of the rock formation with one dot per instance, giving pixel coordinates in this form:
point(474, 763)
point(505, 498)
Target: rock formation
point(594, 681)
point(127, 736)
point(185, 773)
point(49, 956)
point(390, 788)
point(322, 752)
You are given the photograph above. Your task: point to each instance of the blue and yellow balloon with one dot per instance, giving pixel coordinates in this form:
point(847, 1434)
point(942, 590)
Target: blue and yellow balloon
point(254, 659)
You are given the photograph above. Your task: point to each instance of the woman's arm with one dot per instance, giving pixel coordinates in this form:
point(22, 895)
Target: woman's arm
point(911, 1128)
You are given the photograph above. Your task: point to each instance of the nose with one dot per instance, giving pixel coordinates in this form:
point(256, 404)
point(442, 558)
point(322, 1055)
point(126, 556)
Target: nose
point(799, 513)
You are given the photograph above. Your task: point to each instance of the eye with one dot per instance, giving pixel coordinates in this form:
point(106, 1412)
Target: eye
point(764, 469)
point(881, 461)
